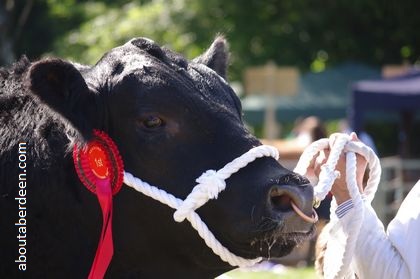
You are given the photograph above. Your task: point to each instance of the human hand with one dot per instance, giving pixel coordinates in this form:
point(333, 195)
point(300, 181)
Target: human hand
point(339, 188)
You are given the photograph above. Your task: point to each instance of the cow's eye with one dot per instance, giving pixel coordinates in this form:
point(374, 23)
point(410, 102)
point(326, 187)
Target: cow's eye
point(152, 122)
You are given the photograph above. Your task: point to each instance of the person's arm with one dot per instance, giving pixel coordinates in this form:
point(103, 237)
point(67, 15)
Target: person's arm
point(394, 254)
point(375, 255)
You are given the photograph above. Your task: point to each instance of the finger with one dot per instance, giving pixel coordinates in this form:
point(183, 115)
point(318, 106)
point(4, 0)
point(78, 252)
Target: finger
point(333, 138)
point(312, 162)
point(322, 157)
point(361, 160)
point(341, 163)
point(320, 160)
point(353, 137)
point(317, 163)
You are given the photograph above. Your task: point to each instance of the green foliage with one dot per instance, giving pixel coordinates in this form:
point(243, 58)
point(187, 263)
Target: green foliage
point(112, 26)
point(310, 34)
point(289, 273)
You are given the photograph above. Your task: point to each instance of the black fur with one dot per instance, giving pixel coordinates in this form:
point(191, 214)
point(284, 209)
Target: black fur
point(52, 103)
point(216, 57)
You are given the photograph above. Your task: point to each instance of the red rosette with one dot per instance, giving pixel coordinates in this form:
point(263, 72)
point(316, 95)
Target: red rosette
point(99, 161)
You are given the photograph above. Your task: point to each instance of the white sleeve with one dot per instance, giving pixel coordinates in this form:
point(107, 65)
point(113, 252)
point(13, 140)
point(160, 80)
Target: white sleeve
point(394, 254)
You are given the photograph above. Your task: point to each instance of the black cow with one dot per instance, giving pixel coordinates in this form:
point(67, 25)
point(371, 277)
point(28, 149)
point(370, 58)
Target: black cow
point(171, 119)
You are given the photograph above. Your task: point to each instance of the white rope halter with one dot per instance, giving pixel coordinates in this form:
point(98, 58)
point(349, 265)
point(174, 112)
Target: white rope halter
point(210, 184)
point(337, 260)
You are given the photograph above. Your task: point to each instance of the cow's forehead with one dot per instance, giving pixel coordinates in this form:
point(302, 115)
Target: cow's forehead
point(132, 57)
point(143, 59)
point(140, 52)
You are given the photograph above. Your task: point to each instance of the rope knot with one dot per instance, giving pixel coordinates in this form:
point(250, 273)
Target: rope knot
point(328, 173)
point(211, 184)
point(326, 179)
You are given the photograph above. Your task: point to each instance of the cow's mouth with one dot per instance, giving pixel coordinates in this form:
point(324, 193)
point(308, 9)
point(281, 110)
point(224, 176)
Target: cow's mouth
point(273, 243)
point(277, 244)
point(284, 230)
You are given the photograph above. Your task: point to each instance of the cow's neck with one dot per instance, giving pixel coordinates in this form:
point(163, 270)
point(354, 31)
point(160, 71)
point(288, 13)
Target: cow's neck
point(148, 240)
point(166, 267)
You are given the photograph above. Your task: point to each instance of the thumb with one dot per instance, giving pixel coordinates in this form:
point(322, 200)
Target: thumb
point(353, 137)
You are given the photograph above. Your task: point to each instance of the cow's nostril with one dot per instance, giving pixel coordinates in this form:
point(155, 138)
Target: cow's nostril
point(281, 202)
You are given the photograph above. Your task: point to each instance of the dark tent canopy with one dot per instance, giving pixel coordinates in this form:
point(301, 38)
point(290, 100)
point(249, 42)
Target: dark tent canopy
point(400, 94)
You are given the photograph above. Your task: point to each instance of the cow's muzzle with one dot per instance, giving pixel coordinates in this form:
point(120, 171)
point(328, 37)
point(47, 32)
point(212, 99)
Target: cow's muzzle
point(290, 204)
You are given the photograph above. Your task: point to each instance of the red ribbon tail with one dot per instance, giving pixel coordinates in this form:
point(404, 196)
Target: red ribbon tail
point(105, 249)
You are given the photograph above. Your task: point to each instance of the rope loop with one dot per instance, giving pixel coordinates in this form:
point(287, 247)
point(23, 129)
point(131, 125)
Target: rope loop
point(336, 260)
point(210, 184)
point(328, 174)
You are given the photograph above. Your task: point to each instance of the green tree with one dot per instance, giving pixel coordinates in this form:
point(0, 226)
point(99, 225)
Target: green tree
point(13, 17)
point(310, 34)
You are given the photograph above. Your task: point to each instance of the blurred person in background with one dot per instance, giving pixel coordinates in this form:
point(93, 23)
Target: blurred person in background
point(364, 137)
point(308, 130)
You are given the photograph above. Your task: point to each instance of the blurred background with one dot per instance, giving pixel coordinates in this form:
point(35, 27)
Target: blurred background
point(303, 69)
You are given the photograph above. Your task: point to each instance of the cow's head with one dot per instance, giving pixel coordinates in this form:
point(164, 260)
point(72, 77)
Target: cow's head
point(172, 119)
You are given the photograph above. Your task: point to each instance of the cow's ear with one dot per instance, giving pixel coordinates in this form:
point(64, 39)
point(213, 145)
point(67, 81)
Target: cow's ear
point(216, 56)
point(60, 86)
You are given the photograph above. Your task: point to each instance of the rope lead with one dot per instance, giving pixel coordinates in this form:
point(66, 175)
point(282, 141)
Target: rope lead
point(337, 261)
point(210, 184)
